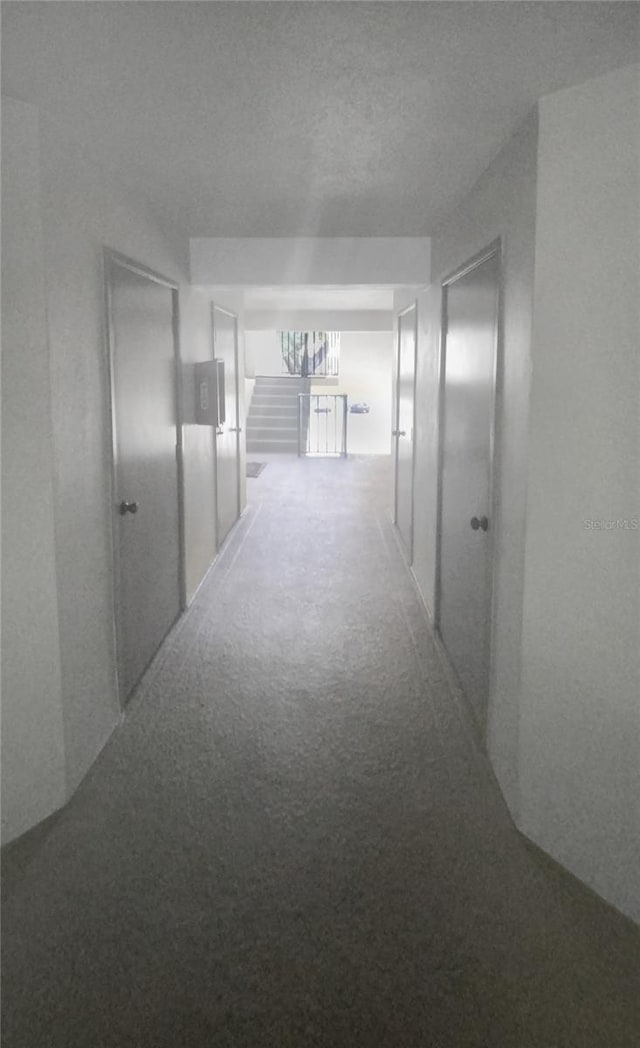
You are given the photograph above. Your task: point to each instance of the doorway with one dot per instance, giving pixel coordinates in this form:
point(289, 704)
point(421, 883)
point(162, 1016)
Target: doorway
point(464, 589)
point(403, 433)
point(149, 589)
point(228, 485)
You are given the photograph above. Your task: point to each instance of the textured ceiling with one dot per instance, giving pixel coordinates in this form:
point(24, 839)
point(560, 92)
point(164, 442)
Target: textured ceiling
point(275, 119)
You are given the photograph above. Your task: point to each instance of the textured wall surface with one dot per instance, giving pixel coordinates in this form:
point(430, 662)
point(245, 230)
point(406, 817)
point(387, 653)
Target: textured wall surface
point(68, 210)
point(501, 204)
point(33, 771)
point(82, 211)
point(580, 727)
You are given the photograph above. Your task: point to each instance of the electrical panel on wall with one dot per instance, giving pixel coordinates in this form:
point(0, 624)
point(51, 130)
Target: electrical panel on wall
point(210, 394)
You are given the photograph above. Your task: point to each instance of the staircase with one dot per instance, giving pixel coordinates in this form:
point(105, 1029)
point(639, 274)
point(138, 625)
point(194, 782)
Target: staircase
point(272, 422)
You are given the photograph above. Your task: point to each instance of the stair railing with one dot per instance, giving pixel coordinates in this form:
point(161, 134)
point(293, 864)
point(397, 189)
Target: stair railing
point(310, 353)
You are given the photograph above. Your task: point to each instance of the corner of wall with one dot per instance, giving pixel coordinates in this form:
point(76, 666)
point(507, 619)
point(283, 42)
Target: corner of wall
point(579, 735)
point(33, 743)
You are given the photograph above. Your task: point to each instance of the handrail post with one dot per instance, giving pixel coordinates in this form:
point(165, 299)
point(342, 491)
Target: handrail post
point(300, 395)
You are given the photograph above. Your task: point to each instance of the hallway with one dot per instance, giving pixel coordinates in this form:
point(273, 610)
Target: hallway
point(295, 839)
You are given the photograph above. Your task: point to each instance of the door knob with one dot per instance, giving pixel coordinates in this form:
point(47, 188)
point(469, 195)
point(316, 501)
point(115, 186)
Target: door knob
point(235, 429)
point(398, 433)
point(480, 522)
point(128, 507)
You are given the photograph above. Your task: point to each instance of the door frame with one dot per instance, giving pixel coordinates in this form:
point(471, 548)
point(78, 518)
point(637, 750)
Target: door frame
point(396, 420)
point(236, 358)
point(112, 258)
point(493, 250)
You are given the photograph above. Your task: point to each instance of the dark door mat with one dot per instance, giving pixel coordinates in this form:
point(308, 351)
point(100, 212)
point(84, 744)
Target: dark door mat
point(254, 469)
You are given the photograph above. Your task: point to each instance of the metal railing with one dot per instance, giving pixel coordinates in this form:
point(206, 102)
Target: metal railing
point(322, 424)
point(310, 353)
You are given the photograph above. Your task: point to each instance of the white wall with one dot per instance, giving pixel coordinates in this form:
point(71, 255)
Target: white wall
point(79, 211)
point(232, 299)
point(198, 441)
point(260, 261)
point(426, 430)
point(262, 353)
point(564, 718)
point(502, 204)
point(319, 320)
point(365, 374)
point(580, 716)
point(33, 765)
point(366, 360)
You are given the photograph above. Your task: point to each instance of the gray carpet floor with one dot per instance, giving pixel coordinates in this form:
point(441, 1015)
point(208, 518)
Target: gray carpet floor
point(295, 838)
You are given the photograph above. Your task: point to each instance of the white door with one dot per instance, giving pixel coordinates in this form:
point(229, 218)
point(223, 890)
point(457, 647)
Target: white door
point(146, 445)
point(225, 343)
point(404, 427)
point(465, 562)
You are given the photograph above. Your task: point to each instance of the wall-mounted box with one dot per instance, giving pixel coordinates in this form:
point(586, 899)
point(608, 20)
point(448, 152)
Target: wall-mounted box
point(209, 398)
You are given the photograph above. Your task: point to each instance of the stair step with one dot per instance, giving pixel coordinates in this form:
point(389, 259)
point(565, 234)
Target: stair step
point(277, 391)
point(256, 447)
point(276, 383)
point(274, 411)
point(281, 390)
point(273, 434)
point(277, 379)
point(275, 401)
point(288, 417)
point(286, 387)
point(271, 423)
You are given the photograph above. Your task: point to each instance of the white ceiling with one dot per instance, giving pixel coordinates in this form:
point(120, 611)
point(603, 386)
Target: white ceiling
point(350, 298)
point(277, 119)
